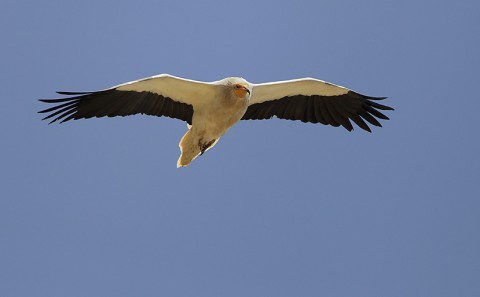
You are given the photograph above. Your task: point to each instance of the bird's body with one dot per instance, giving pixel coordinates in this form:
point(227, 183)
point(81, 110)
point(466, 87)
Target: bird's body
point(212, 121)
point(212, 108)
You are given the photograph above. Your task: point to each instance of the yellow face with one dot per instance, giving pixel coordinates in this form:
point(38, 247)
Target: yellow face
point(241, 90)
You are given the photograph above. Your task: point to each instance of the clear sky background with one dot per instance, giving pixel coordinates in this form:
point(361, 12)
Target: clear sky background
point(278, 208)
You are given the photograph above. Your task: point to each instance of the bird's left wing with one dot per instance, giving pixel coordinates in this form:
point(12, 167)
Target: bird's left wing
point(161, 95)
point(315, 101)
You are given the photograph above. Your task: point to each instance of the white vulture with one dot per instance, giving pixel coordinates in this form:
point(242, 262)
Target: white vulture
point(211, 108)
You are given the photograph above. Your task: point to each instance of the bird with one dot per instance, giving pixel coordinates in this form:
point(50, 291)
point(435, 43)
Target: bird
point(210, 109)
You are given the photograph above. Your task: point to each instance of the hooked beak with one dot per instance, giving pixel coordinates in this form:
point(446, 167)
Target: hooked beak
point(241, 90)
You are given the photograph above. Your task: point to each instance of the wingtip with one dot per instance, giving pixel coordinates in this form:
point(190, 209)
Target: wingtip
point(72, 93)
point(48, 100)
point(52, 121)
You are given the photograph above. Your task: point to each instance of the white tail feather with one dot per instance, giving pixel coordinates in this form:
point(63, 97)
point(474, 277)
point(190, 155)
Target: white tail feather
point(189, 149)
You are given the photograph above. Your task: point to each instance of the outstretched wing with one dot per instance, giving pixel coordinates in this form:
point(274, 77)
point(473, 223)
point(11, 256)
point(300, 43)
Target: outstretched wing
point(315, 101)
point(161, 95)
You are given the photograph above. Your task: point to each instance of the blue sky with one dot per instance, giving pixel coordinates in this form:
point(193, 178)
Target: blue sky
point(278, 208)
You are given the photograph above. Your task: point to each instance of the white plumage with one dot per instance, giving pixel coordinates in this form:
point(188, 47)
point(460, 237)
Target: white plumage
point(211, 108)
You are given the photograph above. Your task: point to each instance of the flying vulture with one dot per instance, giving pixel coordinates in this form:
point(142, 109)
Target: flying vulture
point(211, 108)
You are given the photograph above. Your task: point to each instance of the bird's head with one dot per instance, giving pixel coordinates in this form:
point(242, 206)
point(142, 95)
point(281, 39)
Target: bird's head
point(239, 87)
point(241, 90)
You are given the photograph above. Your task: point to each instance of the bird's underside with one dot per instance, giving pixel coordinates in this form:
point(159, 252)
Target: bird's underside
point(211, 108)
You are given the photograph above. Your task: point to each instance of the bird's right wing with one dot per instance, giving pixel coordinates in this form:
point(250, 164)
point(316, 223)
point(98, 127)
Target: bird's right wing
point(314, 101)
point(161, 95)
